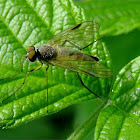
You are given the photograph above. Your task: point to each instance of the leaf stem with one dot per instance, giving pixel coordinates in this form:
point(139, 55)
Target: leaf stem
point(82, 131)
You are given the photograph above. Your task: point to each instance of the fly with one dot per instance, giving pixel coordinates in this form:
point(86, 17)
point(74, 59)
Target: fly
point(64, 50)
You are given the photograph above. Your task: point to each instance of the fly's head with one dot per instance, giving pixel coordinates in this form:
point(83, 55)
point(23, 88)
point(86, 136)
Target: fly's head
point(31, 54)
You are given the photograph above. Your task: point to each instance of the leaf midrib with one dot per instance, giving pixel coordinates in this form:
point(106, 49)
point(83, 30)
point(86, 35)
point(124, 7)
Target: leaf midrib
point(126, 114)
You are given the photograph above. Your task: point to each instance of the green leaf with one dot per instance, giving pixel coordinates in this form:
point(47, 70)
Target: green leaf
point(114, 17)
point(27, 23)
point(120, 119)
point(114, 124)
point(126, 89)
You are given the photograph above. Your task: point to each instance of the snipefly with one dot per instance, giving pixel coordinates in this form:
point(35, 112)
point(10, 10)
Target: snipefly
point(64, 50)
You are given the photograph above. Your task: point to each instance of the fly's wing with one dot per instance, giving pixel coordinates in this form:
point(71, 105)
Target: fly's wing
point(78, 36)
point(83, 63)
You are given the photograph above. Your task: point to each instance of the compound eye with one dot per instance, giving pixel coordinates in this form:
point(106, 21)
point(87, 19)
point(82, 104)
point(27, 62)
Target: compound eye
point(31, 53)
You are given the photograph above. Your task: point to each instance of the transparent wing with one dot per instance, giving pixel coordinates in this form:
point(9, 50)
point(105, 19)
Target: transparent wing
point(83, 63)
point(78, 36)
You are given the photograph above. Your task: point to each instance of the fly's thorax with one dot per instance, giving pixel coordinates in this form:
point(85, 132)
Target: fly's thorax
point(46, 53)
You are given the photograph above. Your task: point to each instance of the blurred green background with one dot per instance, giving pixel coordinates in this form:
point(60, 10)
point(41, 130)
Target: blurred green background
point(123, 48)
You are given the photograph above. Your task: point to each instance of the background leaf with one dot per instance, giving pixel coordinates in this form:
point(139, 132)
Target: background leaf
point(120, 119)
point(114, 124)
point(26, 23)
point(119, 23)
point(114, 17)
point(88, 126)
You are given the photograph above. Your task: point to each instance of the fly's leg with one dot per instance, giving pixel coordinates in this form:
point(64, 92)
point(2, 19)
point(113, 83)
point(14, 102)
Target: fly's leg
point(47, 86)
point(18, 72)
point(77, 45)
point(85, 85)
point(91, 43)
point(70, 43)
point(24, 81)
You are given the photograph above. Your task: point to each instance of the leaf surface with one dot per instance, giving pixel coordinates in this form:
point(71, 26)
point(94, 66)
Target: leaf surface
point(120, 119)
point(115, 17)
point(27, 23)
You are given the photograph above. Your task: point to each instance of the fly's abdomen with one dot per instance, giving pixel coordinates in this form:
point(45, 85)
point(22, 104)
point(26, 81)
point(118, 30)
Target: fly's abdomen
point(75, 55)
point(46, 53)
